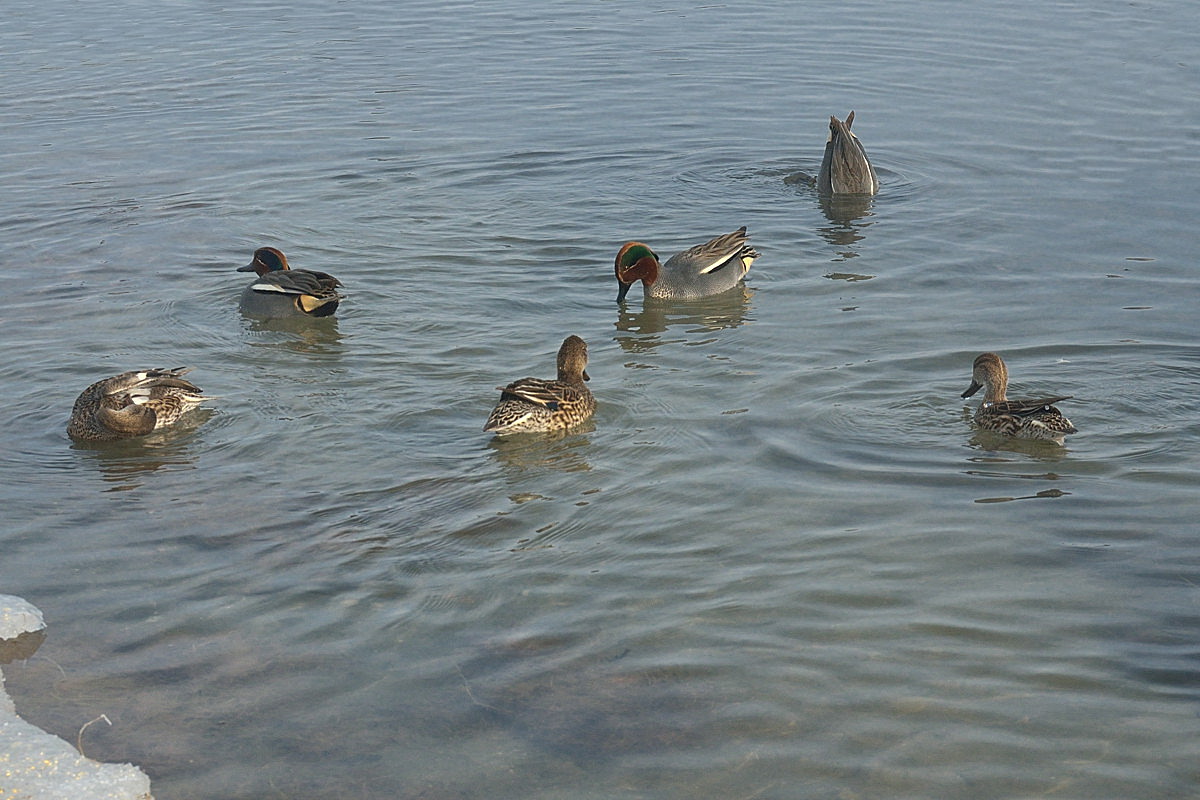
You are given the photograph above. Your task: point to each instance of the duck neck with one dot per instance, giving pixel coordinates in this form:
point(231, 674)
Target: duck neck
point(995, 393)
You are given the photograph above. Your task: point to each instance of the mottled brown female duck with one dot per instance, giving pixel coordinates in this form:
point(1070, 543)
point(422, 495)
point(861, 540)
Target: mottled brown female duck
point(1023, 419)
point(534, 405)
point(133, 404)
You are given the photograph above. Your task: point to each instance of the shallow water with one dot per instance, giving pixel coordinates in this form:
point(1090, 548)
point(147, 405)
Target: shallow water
point(778, 563)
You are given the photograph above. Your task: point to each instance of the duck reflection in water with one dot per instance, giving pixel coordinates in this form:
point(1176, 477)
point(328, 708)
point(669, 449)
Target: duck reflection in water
point(124, 462)
point(561, 451)
point(318, 336)
point(727, 310)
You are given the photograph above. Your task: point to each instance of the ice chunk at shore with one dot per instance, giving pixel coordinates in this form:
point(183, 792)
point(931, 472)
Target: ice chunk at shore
point(18, 616)
point(35, 765)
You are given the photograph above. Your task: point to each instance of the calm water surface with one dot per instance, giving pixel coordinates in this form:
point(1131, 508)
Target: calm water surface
point(778, 564)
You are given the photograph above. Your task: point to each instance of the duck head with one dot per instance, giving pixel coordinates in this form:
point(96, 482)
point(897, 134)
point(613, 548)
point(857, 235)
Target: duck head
point(573, 359)
point(988, 372)
point(635, 261)
point(266, 259)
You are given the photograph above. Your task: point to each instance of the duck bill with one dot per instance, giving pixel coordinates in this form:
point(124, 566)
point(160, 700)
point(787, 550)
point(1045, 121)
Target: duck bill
point(248, 268)
point(972, 389)
point(622, 290)
point(586, 377)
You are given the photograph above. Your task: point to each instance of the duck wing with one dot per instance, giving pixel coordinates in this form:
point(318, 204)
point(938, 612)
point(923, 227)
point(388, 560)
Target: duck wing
point(549, 394)
point(1025, 408)
point(298, 282)
point(713, 255)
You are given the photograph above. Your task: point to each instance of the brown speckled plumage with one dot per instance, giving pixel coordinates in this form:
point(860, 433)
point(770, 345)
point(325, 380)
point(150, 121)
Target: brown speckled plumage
point(1023, 419)
point(535, 405)
point(132, 404)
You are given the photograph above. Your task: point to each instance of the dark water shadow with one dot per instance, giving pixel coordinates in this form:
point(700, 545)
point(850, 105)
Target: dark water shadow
point(1045, 493)
point(590, 708)
point(22, 647)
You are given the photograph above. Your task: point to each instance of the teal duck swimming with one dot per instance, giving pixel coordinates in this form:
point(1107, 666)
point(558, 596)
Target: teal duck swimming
point(1023, 419)
point(280, 291)
point(845, 168)
point(534, 405)
point(703, 270)
point(133, 404)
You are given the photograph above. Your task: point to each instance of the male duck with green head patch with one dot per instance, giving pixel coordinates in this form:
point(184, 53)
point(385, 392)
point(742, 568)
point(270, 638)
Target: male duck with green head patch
point(706, 269)
point(280, 291)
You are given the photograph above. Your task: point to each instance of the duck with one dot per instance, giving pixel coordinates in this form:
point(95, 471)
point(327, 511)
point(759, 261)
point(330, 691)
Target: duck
point(845, 168)
point(534, 405)
point(280, 291)
point(700, 271)
point(133, 404)
point(1021, 419)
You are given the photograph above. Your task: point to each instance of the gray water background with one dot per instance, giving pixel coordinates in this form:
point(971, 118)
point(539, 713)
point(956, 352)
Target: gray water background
point(778, 564)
